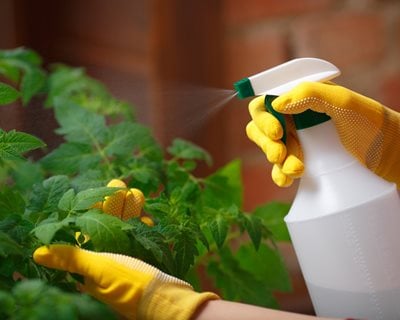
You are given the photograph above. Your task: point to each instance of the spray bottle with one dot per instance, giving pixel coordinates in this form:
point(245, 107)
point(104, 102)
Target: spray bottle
point(344, 221)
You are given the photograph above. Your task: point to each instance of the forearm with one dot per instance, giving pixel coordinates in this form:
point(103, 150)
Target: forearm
point(226, 310)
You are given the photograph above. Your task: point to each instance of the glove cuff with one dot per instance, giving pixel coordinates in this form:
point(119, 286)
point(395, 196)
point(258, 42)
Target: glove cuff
point(173, 302)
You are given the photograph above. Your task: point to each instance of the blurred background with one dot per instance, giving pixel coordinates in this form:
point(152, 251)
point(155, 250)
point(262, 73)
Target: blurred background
point(168, 57)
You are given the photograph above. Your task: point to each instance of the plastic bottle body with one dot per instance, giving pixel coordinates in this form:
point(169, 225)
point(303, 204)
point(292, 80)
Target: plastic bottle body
point(344, 224)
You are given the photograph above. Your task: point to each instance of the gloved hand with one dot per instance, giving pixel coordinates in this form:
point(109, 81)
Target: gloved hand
point(125, 203)
point(131, 287)
point(367, 129)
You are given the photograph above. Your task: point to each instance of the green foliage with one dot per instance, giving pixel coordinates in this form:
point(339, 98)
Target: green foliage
point(22, 66)
point(34, 299)
point(13, 144)
point(52, 200)
point(7, 94)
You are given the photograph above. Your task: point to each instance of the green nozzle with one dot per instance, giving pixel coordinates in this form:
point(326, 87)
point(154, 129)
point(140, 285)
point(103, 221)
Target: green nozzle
point(244, 88)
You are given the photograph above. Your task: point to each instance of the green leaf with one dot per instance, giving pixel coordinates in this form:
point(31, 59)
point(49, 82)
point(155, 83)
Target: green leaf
point(87, 198)
point(9, 71)
point(186, 150)
point(224, 187)
point(13, 144)
point(11, 202)
point(124, 137)
point(66, 202)
point(79, 125)
point(105, 231)
point(21, 54)
point(16, 227)
point(272, 215)
point(219, 228)
point(26, 174)
point(63, 82)
point(8, 246)
point(185, 251)
point(48, 228)
point(144, 171)
point(254, 228)
point(7, 94)
point(7, 304)
point(238, 284)
point(32, 82)
point(70, 158)
point(92, 178)
point(74, 85)
point(46, 195)
point(149, 245)
point(267, 265)
point(35, 299)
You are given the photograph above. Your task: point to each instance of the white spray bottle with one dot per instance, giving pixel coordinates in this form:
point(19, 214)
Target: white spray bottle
point(345, 221)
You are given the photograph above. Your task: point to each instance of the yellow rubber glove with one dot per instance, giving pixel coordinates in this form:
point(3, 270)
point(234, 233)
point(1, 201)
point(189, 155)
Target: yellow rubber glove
point(367, 129)
point(124, 204)
point(131, 287)
point(266, 131)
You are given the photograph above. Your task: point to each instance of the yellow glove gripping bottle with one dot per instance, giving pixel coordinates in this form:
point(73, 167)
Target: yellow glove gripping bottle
point(344, 221)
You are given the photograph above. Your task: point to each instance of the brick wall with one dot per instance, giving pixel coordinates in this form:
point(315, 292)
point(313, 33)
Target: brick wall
point(361, 37)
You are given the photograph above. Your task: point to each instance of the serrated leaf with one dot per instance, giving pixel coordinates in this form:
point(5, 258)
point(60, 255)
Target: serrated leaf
point(183, 149)
point(13, 144)
point(272, 215)
point(150, 245)
point(46, 231)
point(66, 202)
point(46, 195)
point(224, 187)
point(94, 178)
point(266, 264)
point(124, 137)
point(7, 94)
point(105, 231)
point(158, 206)
point(80, 125)
point(11, 202)
point(8, 246)
point(237, 284)
point(185, 251)
point(87, 198)
point(32, 82)
point(254, 228)
point(219, 228)
point(70, 158)
point(143, 171)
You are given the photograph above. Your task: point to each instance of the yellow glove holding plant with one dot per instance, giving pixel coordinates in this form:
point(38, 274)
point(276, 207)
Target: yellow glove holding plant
point(367, 129)
point(131, 287)
point(124, 204)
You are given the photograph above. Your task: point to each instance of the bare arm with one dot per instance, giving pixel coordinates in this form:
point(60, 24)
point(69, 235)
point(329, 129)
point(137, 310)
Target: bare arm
point(226, 310)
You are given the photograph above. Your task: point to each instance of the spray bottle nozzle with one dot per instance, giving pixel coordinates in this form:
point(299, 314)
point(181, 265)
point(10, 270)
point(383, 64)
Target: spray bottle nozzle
point(243, 88)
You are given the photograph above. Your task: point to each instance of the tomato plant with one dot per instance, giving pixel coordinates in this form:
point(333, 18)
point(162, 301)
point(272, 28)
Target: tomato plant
point(51, 199)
